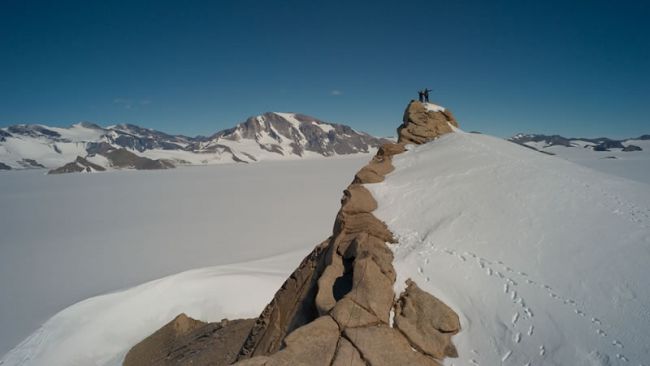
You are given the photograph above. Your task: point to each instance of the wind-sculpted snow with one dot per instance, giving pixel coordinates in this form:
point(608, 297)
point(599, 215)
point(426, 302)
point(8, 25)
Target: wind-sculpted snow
point(100, 330)
point(544, 260)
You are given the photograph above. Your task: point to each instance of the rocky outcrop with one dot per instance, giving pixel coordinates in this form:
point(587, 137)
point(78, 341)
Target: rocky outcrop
point(335, 308)
point(424, 122)
point(4, 167)
point(426, 322)
point(79, 165)
point(632, 148)
point(185, 341)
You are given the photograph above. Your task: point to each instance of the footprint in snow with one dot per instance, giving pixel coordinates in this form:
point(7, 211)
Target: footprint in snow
point(579, 312)
point(601, 332)
point(621, 357)
point(528, 312)
point(542, 350)
point(515, 317)
point(530, 330)
point(506, 356)
point(517, 337)
point(595, 321)
point(617, 343)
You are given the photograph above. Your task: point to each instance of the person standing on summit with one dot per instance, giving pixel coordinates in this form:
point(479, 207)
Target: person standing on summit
point(421, 96)
point(426, 95)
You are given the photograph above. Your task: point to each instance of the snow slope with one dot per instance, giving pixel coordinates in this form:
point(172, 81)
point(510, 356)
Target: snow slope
point(69, 237)
point(545, 261)
point(102, 329)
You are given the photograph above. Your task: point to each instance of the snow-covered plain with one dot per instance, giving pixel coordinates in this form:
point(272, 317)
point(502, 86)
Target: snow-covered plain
point(67, 238)
point(545, 261)
point(629, 164)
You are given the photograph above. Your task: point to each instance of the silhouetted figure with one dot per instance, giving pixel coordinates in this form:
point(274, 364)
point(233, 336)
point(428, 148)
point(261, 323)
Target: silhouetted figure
point(426, 95)
point(421, 96)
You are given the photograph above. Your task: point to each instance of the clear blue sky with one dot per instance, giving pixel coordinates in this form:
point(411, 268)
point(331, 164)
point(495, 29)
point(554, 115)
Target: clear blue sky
point(578, 68)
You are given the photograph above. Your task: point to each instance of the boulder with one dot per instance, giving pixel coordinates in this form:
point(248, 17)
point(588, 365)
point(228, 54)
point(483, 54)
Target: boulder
point(186, 341)
point(426, 322)
point(384, 346)
point(422, 124)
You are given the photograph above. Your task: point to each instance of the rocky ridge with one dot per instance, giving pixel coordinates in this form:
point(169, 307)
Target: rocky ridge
point(335, 308)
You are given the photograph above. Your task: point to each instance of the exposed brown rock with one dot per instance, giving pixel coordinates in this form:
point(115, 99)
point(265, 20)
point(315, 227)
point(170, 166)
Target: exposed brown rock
point(349, 314)
point(357, 199)
point(311, 345)
point(185, 341)
point(371, 289)
point(291, 307)
point(384, 346)
point(421, 125)
point(347, 355)
point(426, 322)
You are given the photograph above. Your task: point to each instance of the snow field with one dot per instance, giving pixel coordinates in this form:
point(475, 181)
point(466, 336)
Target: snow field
point(544, 260)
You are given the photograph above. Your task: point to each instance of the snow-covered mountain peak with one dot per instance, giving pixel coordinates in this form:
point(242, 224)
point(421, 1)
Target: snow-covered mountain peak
point(270, 136)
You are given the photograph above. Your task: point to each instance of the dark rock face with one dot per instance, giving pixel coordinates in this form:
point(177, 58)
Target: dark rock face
point(77, 166)
point(4, 166)
point(632, 148)
point(302, 133)
point(599, 144)
point(553, 140)
point(185, 341)
point(606, 144)
point(122, 158)
point(32, 131)
point(30, 163)
point(4, 135)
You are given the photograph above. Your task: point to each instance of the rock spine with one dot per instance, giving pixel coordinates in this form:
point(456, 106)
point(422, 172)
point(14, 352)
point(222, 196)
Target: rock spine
point(335, 308)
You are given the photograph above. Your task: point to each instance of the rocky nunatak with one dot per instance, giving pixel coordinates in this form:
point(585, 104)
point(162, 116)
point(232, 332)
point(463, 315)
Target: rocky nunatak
point(334, 309)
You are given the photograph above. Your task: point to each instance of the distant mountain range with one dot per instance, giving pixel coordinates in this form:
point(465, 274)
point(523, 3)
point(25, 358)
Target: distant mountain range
point(87, 147)
point(545, 143)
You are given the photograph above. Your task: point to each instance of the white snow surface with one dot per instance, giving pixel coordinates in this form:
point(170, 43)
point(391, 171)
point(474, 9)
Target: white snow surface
point(545, 261)
point(102, 329)
point(69, 237)
point(629, 164)
point(433, 107)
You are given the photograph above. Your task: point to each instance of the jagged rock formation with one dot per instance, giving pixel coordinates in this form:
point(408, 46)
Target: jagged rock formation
point(79, 165)
point(423, 122)
point(335, 308)
point(185, 341)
